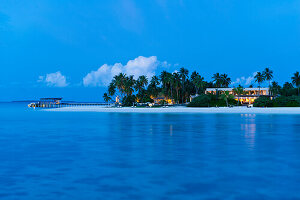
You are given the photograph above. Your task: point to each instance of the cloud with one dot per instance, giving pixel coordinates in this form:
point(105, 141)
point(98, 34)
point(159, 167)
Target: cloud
point(54, 79)
point(137, 67)
point(244, 81)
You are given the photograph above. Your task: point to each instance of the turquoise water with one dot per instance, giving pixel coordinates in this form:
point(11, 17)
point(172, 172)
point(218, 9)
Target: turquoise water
point(60, 155)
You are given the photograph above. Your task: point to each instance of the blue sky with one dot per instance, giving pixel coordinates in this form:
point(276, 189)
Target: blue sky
point(58, 48)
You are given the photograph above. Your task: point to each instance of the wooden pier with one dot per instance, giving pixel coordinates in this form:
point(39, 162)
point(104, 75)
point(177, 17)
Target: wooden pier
point(56, 103)
point(41, 105)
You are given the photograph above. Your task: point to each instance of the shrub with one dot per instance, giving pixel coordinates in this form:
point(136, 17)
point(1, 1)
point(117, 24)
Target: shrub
point(145, 99)
point(162, 102)
point(283, 101)
point(128, 100)
point(293, 101)
point(217, 102)
point(280, 101)
point(263, 102)
point(210, 101)
point(234, 102)
point(200, 101)
point(288, 91)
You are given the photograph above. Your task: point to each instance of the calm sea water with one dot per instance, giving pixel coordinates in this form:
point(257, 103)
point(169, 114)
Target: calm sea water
point(56, 155)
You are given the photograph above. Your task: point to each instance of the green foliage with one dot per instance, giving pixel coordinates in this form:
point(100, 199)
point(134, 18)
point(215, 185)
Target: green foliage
point(180, 86)
point(211, 101)
point(153, 88)
point(259, 78)
point(275, 88)
point(140, 84)
point(238, 91)
point(200, 101)
point(162, 102)
point(268, 75)
point(216, 101)
point(280, 101)
point(225, 80)
point(145, 99)
point(111, 89)
point(226, 96)
point(288, 89)
point(263, 101)
point(198, 82)
point(296, 81)
point(106, 97)
point(283, 101)
point(128, 100)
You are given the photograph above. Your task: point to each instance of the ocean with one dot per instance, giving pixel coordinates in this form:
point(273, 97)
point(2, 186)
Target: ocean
point(86, 155)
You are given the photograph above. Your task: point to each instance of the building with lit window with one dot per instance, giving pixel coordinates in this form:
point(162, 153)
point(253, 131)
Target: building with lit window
point(160, 99)
point(247, 97)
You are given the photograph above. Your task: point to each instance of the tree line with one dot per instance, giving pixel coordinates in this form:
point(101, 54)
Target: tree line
point(180, 85)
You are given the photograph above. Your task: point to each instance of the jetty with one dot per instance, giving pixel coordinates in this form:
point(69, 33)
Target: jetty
point(57, 103)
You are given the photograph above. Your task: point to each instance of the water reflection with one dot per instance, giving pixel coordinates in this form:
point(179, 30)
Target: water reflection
point(171, 129)
point(248, 129)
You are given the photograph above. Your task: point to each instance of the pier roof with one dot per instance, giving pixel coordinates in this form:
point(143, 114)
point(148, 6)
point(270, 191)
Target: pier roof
point(47, 99)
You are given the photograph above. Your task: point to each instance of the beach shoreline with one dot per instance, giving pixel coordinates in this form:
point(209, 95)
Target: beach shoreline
point(211, 110)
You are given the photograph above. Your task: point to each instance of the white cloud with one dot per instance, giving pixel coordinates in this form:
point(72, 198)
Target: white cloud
point(54, 79)
point(137, 67)
point(244, 81)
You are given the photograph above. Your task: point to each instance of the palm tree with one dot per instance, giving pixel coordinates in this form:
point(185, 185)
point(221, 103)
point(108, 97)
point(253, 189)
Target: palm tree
point(225, 96)
point(170, 84)
point(153, 88)
point(217, 79)
point(111, 89)
point(189, 89)
point(141, 83)
point(106, 98)
point(194, 75)
point(154, 80)
point(176, 84)
point(119, 81)
point(259, 78)
point(286, 89)
point(128, 85)
point(268, 74)
point(183, 75)
point(239, 90)
point(275, 88)
point(296, 80)
point(198, 83)
point(225, 80)
point(165, 78)
point(143, 80)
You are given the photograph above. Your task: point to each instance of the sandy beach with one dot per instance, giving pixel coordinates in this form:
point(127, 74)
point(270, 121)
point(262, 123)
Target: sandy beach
point(237, 110)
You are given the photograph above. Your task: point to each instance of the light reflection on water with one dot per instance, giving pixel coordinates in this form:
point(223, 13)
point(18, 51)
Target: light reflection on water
point(249, 129)
point(47, 155)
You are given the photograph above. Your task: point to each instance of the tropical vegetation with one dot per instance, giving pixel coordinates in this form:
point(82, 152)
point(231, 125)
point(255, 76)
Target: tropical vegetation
point(180, 85)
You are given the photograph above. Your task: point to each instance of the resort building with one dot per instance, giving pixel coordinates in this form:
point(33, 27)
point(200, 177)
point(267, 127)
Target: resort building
point(247, 97)
point(160, 99)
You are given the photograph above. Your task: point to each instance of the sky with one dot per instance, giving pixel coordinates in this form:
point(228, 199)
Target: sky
point(72, 48)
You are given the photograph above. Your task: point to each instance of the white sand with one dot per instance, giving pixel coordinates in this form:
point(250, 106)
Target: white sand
point(239, 110)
